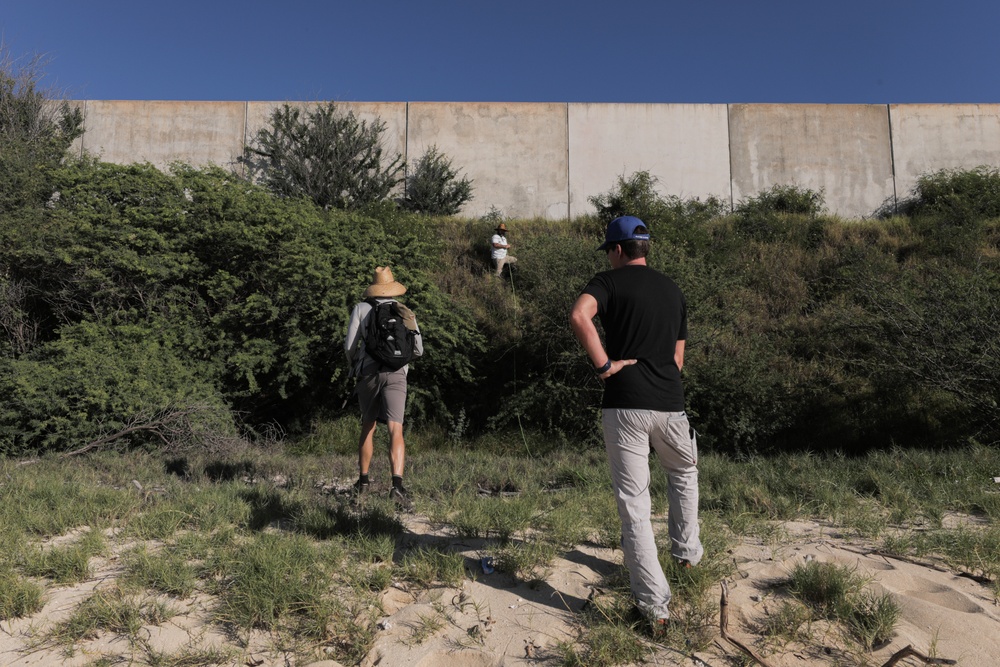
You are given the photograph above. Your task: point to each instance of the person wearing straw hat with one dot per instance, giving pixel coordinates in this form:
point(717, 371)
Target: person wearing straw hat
point(381, 390)
point(644, 316)
point(499, 250)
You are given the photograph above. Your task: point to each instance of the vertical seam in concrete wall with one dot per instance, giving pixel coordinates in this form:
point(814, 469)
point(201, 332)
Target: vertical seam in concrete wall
point(569, 191)
point(83, 137)
point(729, 149)
point(892, 159)
point(246, 139)
point(406, 146)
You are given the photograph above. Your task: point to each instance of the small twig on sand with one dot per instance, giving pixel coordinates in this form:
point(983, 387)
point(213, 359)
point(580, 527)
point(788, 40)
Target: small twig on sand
point(978, 578)
point(907, 559)
point(908, 650)
point(724, 627)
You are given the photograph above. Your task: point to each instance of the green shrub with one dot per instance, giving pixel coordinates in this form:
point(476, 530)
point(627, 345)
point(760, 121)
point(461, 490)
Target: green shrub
point(324, 154)
point(790, 199)
point(635, 195)
point(35, 131)
point(433, 186)
point(766, 216)
point(247, 294)
point(98, 380)
point(138, 291)
point(956, 196)
point(673, 218)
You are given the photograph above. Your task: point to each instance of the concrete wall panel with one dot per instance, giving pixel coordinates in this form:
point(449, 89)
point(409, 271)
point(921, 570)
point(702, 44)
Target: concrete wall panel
point(842, 149)
point(685, 146)
point(515, 154)
point(930, 137)
point(198, 133)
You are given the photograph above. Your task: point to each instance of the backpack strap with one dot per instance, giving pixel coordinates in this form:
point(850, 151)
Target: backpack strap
point(409, 319)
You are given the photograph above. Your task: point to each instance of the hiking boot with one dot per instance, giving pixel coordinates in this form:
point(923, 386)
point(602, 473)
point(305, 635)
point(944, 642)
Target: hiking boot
point(401, 497)
point(684, 564)
point(660, 627)
point(360, 488)
point(668, 628)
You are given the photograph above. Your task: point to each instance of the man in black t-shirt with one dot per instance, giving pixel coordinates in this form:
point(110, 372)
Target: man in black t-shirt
point(644, 316)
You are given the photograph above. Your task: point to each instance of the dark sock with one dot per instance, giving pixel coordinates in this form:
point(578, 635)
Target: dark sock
point(397, 481)
point(363, 478)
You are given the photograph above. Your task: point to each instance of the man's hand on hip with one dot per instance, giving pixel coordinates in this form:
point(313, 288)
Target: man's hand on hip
point(617, 366)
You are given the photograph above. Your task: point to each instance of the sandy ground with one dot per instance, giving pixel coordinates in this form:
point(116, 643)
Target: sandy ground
point(491, 620)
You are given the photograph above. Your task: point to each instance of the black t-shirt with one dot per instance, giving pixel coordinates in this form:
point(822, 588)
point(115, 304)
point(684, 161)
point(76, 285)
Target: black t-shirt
point(644, 314)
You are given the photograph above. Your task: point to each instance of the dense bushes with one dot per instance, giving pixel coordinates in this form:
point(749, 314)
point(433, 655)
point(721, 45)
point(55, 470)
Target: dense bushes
point(956, 195)
point(97, 379)
point(244, 298)
point(136, 290)
point(810, 332)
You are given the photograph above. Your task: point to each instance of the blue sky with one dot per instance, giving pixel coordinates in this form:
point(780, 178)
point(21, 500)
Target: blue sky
point(700, 51)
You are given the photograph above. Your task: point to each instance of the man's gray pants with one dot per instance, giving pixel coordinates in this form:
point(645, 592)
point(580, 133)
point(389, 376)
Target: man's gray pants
point(629, 435)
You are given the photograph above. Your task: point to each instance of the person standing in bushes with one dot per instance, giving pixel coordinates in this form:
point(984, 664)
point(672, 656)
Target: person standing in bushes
point(382, 337)
point(499, 250)
point(644, 316)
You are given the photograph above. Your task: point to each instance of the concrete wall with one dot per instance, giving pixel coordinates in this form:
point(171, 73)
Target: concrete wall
point(843, 150)
point(163, 132)
point(546, 160)
point(515, 154)
point(931, 137)
point(686, 146)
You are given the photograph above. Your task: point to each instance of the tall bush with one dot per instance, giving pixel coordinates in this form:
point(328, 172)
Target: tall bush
point(433, 186)
point(637, 195)
point(683, 222)
point(36, 129)
point(324, 154)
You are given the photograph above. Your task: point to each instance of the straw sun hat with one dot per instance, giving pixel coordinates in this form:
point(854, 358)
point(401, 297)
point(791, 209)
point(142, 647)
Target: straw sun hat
point(384, 285)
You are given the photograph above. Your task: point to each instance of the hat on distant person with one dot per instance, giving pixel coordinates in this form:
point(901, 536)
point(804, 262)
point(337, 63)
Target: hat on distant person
point(384, 285)
point(624, 229)
point(501, 227)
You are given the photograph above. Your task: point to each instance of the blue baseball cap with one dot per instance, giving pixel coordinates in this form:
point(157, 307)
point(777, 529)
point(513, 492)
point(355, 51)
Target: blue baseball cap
point(623, 229)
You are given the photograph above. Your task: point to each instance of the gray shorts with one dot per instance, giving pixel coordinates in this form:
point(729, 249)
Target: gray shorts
point(383, 396)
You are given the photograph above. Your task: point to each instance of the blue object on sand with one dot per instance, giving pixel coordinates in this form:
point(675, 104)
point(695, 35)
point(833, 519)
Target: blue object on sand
point(487, 563)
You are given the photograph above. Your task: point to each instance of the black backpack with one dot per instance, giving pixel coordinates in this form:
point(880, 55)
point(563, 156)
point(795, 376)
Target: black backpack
point(387, 339)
